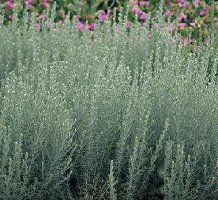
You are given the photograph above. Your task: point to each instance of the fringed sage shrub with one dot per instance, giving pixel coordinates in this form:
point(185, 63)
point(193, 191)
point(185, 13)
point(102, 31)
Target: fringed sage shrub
point(103, 116)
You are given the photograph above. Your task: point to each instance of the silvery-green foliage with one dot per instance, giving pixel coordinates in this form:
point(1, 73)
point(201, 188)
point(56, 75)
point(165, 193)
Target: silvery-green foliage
point(112, 182)
point(180, 173)
point(70, 103)
point(38, 137)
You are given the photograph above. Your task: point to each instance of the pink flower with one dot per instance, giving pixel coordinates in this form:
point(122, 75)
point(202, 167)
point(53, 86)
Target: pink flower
point(60, 22)
point(168, 3)
point(29, 3)
point(45, 4)
point(182, 3)
point(134, 10)
point(207, 8)
point(171, 27)
point(197, 2)
point(42, 17)
point(134, 2)
point(206, 41)
point(186, 41)
point(102, 16)
point(49, 25)
point(143, 18)
point(9, 4)
point(78, 16)
point(167, 13)
point(196, 49)
point(80, 26)
point(185, 5)
point(127, 24)
point(202, 13)
point(182, 25)
point(139, 12)
point(37, 27)
point(67, 17)
point(182, 16)
point(144, 3)
point(10, 17)
point(116, 29)
point(91, 26)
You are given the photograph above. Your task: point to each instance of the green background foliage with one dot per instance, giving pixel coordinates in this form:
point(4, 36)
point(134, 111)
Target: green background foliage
point(196, 24)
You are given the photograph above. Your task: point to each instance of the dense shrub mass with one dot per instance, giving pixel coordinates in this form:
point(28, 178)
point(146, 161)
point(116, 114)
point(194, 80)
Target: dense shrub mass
point(191, 17)
point(106, 116)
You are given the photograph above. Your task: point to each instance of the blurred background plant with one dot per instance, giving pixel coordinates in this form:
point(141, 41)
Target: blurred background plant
point(194, 19)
